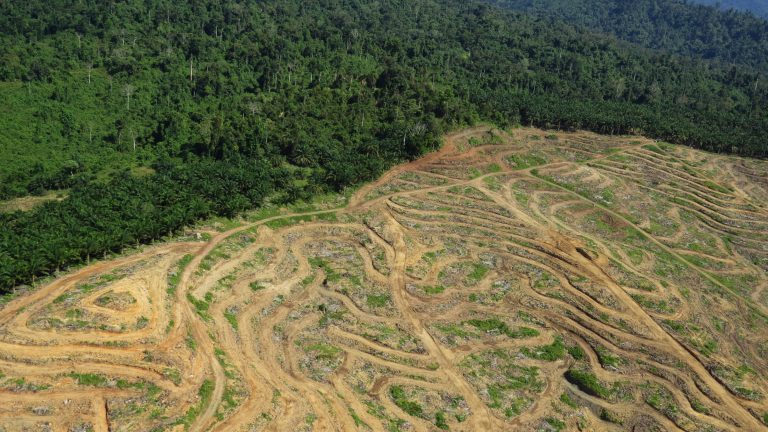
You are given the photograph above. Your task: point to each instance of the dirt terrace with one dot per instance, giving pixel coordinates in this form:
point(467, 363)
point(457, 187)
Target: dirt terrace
point(516, 280)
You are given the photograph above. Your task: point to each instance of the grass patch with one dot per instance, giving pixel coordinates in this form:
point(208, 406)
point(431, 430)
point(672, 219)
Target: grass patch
point(555, 424)
point(323, 351)
point(191, 342)
point(576, 352)
point(564, 398)
point(356, 418)
point(478, 272)
point(256, 286)
point(700, 407)
point(653, 148)
point(172, 374)
point(89, 379)
point(377, 300)
point(610, 417)
point(204, 393)
point(330, 273)
point(657, 306)
point(494, 325)
point(587, 382)
point(288, 221)
point(201, 306)
point(523, 161)
point(453, 330)
point(429, 257)
point(607, 359)
point(434, 289)
point(554, 351)
point(175, 277)
point(401, 400)
point(440, 421)
point(232, 319)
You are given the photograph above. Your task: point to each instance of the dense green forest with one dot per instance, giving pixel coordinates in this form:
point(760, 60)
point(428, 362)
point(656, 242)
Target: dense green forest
point(730, 37)
point(156, 113)
point(758, 7)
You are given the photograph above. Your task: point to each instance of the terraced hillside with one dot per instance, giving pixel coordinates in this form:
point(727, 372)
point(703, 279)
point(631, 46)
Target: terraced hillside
point(514, 280)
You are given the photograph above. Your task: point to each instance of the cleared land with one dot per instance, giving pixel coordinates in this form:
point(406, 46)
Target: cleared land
point(514, 280)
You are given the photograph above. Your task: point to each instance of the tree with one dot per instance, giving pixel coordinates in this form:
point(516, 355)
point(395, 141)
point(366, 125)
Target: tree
point(128, 90)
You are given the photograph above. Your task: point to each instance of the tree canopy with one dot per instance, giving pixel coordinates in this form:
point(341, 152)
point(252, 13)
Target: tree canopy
point(154, 113)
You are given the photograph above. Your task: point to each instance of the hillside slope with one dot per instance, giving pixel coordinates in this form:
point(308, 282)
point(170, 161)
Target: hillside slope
point(517, 280)
point(675, 26)
point(161, 106)
point(758, 7)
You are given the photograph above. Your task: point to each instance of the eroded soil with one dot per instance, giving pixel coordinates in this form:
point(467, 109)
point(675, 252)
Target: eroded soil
point(511, 281)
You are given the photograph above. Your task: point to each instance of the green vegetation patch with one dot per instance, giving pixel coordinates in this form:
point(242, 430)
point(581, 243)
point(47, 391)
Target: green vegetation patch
point(323, 351)
point(552, 352)
point(524, 161)
point(377, 300)
point(508, 387)
point(478, 272)
point(555, 424)
point(204, 394)
point(412, 408)
point(174, 277)
point(496, 326)
point(436, 289)
point(89, 379)
point(588, 383)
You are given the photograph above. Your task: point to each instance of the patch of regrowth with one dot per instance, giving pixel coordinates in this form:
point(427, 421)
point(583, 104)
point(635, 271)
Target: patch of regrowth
point(524, 161)
point(610, 416)
point(552, 352)
point(479, 271)
point(89, 379)
point(174, 277)
point(204, 394)
point(576, 352)
point(496, 326)
point(433, 290)
point(607, 359)
point(555, 424)
point(398, 396)
point(566, 399)
point(256, 286)
point(377, 300)
point(588, 383)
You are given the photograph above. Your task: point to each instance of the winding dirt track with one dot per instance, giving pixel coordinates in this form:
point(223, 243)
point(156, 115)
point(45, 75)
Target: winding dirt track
point(435, 299)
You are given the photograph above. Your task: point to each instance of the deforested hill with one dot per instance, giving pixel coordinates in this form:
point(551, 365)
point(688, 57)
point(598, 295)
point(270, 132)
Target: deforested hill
point(144, 116)
point(675, 26)
point(514, 280)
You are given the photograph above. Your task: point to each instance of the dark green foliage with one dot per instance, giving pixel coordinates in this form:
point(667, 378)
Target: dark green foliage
point(552, 352)
point(288, 98)
point(555, 423)
point(758, 7)
point(89, 379)
point(566, 399)
point(576, 352)
point(669, 25)
point(587, 382)
point(100, 218)
point(401, 400)
point(440, 421)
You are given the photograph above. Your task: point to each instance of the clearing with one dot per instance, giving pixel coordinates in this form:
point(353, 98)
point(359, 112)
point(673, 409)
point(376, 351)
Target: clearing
point(514, 280)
